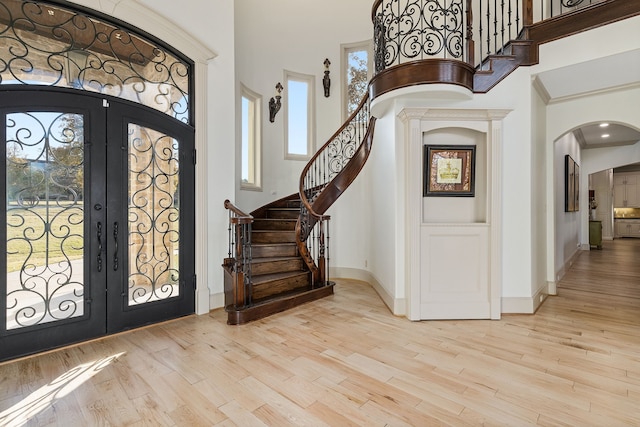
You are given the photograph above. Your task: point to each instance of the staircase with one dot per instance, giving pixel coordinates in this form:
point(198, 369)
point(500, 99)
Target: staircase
point(270, 275)
point(277, 267)
point(279, 254)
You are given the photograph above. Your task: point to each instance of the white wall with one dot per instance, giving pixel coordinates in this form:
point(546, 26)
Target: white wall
point(602, 183)
point(539, 230)
point(513, 94)
point(277, 35)
point(567, 224)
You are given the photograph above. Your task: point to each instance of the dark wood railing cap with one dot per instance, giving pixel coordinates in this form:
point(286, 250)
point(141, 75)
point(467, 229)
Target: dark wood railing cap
point(241, 217)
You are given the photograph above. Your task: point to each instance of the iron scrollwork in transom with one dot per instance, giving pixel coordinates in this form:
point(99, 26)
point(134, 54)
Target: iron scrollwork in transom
point(45, 44)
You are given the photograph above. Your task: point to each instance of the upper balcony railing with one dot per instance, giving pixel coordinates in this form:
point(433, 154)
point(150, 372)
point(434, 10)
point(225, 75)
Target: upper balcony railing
point(463, 30)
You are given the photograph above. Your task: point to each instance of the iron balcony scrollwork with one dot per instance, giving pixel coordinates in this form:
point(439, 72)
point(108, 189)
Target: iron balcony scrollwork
point(410, 30)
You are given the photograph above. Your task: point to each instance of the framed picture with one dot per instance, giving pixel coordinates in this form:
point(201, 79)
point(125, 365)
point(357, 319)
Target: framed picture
point(571, 185)
point(576, 187)
point(449, 170)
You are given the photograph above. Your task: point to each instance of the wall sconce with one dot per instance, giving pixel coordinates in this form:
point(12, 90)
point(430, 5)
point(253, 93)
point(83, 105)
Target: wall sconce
point(275, 104)
point(326, 81)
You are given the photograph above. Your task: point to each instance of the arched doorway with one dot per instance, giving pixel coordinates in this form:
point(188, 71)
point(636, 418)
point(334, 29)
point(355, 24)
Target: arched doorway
point(98, 182)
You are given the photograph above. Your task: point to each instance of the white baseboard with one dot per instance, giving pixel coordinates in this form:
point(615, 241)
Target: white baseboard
point(568, 263)
point(216, 300)
point(525, 305)
point(398, 306)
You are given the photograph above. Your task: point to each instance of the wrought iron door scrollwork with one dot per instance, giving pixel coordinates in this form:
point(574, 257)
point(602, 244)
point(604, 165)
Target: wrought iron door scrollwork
point(45, 217)
point(43, 44)
point(154, 216)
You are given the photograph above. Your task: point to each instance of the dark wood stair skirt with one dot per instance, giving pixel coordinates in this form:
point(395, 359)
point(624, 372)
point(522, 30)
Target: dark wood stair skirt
point(277, 305)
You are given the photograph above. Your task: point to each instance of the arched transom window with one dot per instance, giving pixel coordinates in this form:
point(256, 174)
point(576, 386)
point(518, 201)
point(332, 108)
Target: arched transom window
point(44, 43)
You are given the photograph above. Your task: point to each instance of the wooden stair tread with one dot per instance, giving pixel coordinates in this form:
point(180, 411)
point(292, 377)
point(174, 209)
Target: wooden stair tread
point(264, 278)
point(274, 259)
point(262, 245)
point(275, 219)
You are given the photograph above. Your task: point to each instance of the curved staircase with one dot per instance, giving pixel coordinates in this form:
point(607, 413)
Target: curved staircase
point(278, 254)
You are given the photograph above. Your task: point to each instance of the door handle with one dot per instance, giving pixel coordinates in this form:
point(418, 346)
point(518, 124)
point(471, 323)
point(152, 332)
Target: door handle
point(99, 237)
point(115, 251)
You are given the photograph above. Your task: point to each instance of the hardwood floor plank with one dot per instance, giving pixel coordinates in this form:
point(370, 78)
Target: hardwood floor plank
point(346, 360)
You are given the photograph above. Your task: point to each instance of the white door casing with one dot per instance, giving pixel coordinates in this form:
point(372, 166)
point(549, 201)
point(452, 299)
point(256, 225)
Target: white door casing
point(453, 269)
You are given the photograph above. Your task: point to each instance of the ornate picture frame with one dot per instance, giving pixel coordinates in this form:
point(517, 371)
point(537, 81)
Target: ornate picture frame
point(449, 170)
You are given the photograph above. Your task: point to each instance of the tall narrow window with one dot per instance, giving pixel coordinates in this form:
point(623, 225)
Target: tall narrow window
point(250, 138)
point(356, 72)
point(299, 123)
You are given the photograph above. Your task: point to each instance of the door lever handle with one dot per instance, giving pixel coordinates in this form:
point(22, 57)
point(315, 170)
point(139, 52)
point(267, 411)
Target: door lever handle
point(99, 237)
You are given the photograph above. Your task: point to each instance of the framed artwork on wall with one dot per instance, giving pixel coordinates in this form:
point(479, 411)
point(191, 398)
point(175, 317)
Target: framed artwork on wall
point(449, 170)
point(571, 185)
point(576, 188)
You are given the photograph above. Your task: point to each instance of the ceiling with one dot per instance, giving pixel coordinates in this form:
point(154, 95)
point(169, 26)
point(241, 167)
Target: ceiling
point(594, 76)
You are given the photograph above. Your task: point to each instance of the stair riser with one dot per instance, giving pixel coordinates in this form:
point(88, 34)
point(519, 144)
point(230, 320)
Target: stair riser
point(276, 267)
point(274, 251)
point(273, 237)
point(268, 289)
point(283, 213)
point(273, 224)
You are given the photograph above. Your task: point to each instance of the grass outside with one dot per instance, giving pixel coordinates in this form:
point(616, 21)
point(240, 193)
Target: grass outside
point(55, 230)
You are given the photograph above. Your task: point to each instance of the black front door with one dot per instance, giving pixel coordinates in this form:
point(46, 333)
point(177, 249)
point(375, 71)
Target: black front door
point(99, 219)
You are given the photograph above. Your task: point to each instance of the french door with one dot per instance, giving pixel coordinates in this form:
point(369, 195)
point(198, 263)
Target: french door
point(99, 216)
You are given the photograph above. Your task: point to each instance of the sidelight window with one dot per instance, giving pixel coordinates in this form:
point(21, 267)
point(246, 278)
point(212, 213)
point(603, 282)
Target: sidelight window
point(356, 73)
point(250, 134)
point(299, 111)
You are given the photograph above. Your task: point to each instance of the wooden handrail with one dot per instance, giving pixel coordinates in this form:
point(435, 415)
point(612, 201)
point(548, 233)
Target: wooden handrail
point(374, 8)
point(331, 175)
point(309, 164)
point(241, 217)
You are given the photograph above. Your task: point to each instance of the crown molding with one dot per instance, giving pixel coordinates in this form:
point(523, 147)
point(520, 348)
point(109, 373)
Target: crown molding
point(620, 88)
point(541, 89)
point(452, 114)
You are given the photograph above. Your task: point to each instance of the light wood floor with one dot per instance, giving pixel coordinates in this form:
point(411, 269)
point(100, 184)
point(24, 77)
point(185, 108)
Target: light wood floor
point(346, 361)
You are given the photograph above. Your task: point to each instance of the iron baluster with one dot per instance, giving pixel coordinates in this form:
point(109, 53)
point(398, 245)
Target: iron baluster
point(495, 26)
point(230, 237)
point(502, 25)
point(246, 262)
point(327, 251)
point(509, 23)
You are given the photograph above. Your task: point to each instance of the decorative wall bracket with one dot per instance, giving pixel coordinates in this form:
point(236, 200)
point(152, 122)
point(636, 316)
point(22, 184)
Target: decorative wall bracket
point(275, 104)
point(326, 81)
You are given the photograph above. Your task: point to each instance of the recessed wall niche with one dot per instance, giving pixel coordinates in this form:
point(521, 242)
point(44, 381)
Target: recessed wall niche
point(447, 210)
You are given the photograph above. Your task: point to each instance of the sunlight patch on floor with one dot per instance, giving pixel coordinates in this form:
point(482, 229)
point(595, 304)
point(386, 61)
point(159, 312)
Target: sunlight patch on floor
point(45, 397)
